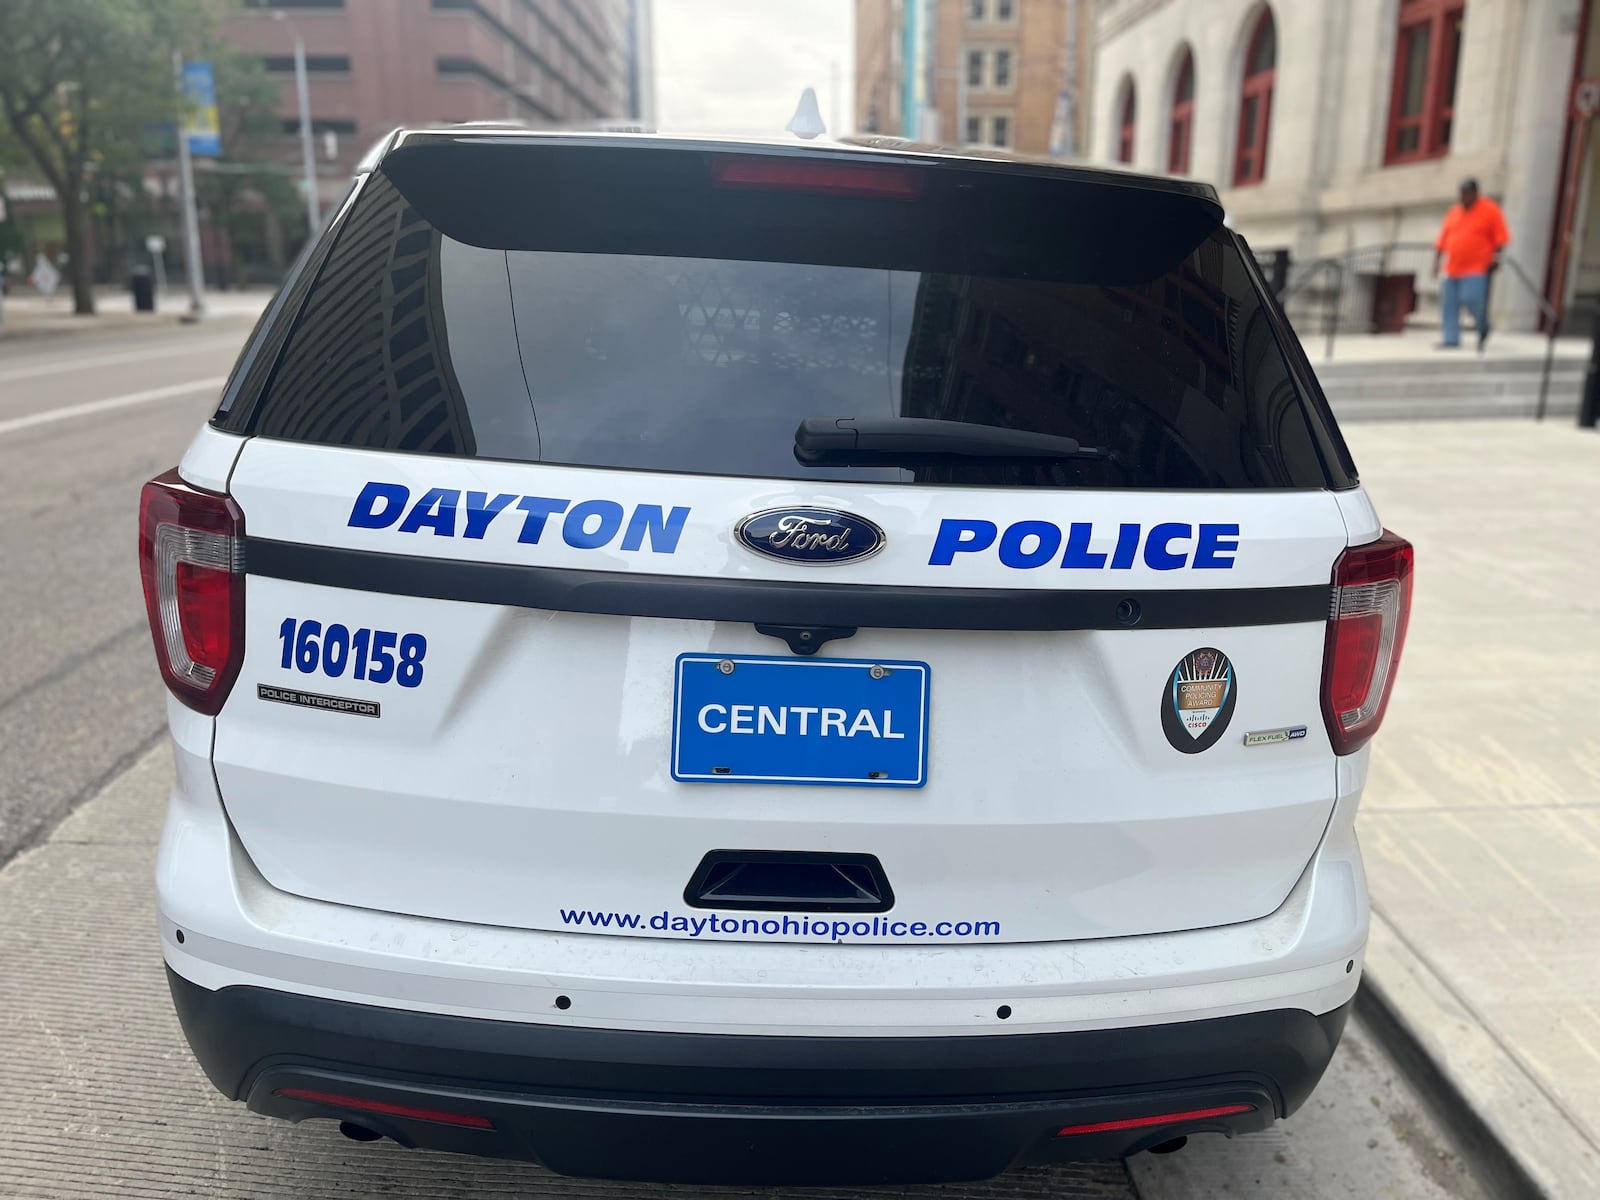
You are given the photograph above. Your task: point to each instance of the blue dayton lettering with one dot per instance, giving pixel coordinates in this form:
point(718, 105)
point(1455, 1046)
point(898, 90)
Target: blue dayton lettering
point(451, 512)
point(1167, 546)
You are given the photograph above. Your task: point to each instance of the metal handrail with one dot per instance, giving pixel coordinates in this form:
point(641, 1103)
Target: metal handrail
point(1340, 264)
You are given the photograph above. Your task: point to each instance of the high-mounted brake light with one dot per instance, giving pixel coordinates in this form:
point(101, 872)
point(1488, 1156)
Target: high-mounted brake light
point(810, 175)
point(191, 558)
point(1366, 632)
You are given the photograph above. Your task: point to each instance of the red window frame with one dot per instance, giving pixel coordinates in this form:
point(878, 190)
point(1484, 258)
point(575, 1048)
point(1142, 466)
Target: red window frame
point(1425, 133)
point(1127, 123)
point(1255, 105)
point(1180, 127)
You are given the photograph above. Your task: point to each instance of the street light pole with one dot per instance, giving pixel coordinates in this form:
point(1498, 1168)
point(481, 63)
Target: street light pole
point(961, 138)
point(191, 214)
point(308, 153)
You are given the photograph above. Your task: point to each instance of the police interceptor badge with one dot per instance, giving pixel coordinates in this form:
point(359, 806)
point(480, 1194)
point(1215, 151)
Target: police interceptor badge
point(1198, 700)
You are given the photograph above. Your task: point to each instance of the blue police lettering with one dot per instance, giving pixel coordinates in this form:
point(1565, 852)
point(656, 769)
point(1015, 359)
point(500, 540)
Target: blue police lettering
point(1026, 545)
point(585, 524)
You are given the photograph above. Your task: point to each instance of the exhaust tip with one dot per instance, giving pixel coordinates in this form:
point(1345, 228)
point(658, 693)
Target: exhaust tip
point(358, 1133)
point(1171, 1146)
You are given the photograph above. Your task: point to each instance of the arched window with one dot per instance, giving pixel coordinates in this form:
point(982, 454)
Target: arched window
point(1255, 102)
point(1126, 120)
point(1180, 129)
point(1423, 104)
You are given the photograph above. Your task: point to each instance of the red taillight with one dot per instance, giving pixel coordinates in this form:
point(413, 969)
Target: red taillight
point(191, 558)
point(1177, 1118)
point(811, 175)
point(357, 1104)
point(1366, 631)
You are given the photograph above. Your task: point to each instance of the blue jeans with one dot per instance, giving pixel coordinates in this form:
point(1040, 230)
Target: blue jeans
point(1471, 290)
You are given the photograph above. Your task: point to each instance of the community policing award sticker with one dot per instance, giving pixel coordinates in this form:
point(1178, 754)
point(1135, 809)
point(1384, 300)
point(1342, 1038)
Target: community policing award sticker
point(1198, 701)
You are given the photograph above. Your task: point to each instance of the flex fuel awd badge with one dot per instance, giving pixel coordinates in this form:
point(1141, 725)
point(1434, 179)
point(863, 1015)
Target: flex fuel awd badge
point(1198, 701)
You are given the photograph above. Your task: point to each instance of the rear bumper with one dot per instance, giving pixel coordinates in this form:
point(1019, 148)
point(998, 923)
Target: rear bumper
point(238, 931)
point(716, 1108)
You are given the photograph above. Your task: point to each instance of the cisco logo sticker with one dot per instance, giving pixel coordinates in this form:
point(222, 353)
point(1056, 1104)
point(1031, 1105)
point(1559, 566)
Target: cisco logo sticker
point(817, 536)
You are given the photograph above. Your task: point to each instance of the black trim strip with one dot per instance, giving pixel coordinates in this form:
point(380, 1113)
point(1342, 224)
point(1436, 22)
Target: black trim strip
point(629, 594)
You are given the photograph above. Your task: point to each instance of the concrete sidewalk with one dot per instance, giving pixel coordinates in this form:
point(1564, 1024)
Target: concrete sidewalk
point(99, 1096)
point(1481, 821)
point(29, 316)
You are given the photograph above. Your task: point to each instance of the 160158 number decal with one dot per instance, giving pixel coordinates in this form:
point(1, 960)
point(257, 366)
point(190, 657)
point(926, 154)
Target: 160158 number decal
point(375, 655)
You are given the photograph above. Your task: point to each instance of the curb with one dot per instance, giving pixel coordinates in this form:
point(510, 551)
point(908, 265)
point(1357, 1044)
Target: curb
point(1517, 1138)
point(21, 333)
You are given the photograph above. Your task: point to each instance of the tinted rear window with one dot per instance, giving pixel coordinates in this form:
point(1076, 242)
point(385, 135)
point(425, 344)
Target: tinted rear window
point(654, 335)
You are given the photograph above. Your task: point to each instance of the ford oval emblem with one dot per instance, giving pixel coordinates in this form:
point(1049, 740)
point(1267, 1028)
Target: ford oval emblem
point(810, 535)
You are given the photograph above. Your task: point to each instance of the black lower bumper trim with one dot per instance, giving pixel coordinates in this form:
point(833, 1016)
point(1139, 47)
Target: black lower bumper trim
point(707, 1108)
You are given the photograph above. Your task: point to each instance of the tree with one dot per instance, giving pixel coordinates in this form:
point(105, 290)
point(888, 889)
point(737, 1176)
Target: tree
point(11, 156)
point(79, 79)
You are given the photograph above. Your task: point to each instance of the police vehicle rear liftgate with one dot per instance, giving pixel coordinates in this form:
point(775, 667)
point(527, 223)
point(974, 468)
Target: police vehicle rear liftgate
point(806, 558)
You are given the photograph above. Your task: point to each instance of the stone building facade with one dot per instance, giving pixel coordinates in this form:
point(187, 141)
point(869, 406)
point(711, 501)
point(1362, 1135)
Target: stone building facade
point(1335, 125)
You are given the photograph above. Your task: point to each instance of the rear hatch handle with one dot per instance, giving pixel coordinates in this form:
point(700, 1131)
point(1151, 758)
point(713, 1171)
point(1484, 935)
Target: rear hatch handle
point(860, 441)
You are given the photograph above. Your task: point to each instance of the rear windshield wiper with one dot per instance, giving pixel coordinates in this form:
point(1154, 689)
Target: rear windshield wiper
point(865, 441)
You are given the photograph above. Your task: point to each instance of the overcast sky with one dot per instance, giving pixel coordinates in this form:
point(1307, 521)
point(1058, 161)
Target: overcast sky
point(739, 66)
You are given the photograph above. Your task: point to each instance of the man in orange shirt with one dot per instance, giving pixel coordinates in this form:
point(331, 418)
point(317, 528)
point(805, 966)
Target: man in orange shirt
point(1470, 241)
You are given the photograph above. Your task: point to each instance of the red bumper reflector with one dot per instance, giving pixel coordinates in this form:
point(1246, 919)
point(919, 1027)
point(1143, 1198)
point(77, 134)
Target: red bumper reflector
point(386, 1109)
point(1194, 1114)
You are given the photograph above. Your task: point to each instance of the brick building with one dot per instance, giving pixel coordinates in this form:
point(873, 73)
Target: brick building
point(1005, 73)
point(376, 64)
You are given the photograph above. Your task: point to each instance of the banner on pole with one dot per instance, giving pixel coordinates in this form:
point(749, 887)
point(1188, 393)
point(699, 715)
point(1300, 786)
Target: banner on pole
point(201, 126)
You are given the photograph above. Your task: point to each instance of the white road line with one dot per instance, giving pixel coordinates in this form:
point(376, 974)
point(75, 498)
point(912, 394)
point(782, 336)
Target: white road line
point(109, 403)
point(113, 360)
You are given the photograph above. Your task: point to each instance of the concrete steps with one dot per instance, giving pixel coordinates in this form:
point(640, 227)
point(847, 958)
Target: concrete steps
point(1452, 384)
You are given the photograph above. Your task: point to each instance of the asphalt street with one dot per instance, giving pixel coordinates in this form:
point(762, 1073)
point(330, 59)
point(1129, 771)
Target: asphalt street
point(97, 1093)
point(84, 421)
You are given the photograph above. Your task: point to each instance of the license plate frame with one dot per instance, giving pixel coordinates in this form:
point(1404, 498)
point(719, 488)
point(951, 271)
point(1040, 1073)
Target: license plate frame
point(881, 741)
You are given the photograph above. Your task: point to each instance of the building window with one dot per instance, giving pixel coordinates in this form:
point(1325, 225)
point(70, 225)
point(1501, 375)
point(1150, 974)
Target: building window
point(1002, 68)
point(974, 130)
point(320, 125)
point(315, 63)
point(1004, 10)
point(975, 9)
point(1180, 129)
point(1422, 105)
point(974, 68)
point(1255, 102)
point(1002, 131)
point(1127, 117)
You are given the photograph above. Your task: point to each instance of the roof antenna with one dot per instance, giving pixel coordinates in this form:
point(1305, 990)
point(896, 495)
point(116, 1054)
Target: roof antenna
point(807, 119)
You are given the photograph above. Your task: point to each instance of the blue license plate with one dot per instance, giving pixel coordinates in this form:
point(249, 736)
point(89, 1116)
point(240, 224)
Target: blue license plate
point(762, 719)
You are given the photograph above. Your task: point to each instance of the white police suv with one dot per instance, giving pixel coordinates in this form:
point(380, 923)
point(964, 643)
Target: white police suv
point(705, 661)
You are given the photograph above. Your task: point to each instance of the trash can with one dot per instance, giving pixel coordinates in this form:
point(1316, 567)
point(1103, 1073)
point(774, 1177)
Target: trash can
point(143, 285)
